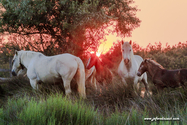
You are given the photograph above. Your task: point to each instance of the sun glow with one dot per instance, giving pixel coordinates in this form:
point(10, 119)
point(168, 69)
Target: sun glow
point(106, 45)
point(97, 53)
point(110, 39)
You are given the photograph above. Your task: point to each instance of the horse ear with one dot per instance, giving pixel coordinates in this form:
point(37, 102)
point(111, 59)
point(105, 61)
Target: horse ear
point(122, 42)
point(130, 42)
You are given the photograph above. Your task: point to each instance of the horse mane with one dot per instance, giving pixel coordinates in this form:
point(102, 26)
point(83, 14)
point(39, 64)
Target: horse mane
point(33, 52)
point(30, 53)
point(155, 63)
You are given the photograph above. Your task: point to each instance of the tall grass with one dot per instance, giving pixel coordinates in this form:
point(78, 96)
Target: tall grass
point(54, 110)
point(126, 118)
point(114, 104)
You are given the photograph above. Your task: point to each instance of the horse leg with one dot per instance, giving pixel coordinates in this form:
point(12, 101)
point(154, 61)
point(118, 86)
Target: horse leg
point(136, 86)
point(34, 83)
point(67, 86)
point(93, 80)
point(124, 81)
point(146, 86)
point(144, 80)
point(66, 76)
point(159, 84)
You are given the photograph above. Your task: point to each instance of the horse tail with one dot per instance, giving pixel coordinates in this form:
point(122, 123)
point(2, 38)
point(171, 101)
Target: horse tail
point(80, 78)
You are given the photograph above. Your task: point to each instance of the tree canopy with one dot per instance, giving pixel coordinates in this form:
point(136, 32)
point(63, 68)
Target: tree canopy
point(77, 24)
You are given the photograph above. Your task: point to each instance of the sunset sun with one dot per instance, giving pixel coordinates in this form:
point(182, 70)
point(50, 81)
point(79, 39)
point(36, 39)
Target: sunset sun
point(97, 53)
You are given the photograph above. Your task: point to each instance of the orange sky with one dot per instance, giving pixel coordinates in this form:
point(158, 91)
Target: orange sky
point(162, 21)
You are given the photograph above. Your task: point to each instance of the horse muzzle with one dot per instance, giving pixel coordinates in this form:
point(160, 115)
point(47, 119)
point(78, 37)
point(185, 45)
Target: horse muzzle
point(139, 74)
point(126, 61)
point(14, 73)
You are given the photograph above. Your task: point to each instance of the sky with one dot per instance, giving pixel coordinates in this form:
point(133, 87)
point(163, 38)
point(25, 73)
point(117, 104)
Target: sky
point(162, 21)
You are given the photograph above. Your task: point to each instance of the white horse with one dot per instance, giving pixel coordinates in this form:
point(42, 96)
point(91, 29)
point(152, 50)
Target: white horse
point(129, 65)
point(51, 69)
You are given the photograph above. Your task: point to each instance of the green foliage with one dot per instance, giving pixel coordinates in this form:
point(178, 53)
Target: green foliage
point(66, 15)
point(75, 24)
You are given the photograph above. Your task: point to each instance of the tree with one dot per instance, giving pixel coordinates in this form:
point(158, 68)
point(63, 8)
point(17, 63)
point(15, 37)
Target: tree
point(75, 24)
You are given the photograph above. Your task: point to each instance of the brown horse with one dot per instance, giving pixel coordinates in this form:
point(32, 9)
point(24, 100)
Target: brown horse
point(103, 74)
point(162, 77)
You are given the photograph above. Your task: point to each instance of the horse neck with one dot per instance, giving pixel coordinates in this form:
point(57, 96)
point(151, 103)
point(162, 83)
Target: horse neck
point(153, 69)
point(98, 66)
point(132, 60)
point(27, 57)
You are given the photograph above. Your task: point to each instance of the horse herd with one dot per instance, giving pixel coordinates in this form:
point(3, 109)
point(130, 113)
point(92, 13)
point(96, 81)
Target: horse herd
point(64, 67)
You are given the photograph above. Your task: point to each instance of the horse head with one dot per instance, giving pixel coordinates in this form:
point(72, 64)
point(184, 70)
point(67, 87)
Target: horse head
point(16, 63)
point(143, 67)
point(127, 51)
point(91, 61)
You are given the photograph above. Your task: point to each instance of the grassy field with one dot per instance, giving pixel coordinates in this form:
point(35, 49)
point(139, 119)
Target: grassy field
point(114, 105)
